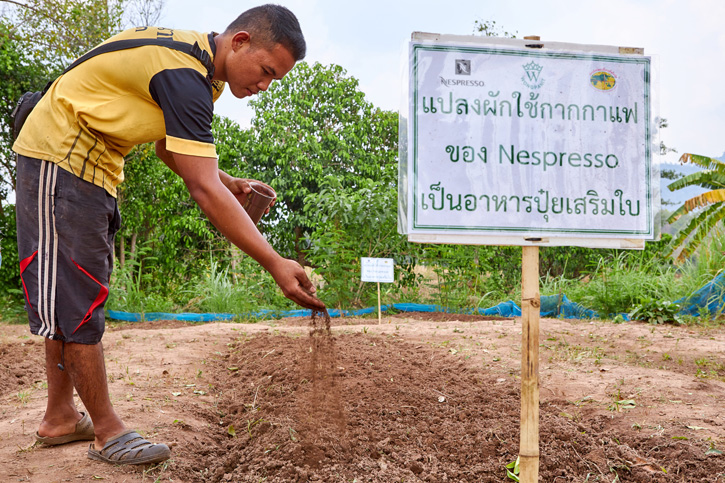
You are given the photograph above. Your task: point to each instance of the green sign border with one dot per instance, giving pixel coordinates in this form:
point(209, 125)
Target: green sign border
point(538, 55)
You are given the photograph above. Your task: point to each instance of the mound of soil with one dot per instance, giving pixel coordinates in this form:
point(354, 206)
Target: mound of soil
point(395, 411)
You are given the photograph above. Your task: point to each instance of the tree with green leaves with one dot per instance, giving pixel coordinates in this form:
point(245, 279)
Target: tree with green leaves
point(711, 203)
point(313, 125)
point(351, 223)
point(19, 73)
point(489, 28)
point(55, 32)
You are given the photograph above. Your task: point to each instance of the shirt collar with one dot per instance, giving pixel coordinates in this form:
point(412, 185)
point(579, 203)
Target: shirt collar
point(212, 44)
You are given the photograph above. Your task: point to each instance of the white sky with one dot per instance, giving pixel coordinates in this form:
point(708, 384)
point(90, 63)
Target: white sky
point(367, 38)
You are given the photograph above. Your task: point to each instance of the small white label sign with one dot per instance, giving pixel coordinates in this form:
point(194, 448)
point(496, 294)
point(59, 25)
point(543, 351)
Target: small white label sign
point(377, 270)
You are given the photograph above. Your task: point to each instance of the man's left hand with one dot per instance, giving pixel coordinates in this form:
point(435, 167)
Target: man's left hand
point(241, 188)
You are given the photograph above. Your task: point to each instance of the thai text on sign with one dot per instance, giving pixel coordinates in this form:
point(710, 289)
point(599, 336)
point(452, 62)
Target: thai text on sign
point(377, 270)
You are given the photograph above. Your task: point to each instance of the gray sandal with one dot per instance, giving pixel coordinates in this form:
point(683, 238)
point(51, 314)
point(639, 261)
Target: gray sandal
point(130, 448)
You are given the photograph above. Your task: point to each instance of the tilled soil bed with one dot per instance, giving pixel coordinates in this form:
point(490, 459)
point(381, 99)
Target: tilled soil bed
point(419, 398)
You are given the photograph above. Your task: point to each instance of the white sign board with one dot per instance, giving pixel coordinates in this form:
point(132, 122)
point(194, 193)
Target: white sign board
point(529, 143)
point(377, 270)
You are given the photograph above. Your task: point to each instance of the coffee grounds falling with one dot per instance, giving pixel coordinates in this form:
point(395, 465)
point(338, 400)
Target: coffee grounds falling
point(323, 370)
point(323, 417)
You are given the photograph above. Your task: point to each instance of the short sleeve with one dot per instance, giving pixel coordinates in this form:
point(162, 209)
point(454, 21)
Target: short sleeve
point(186, 99)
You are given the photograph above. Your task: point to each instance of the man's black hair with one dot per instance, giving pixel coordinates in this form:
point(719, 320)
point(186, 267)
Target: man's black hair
point(272, 24)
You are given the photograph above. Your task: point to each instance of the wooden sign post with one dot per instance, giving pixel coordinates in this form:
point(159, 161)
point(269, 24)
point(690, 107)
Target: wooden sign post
point(530, 305)
point(380, 317)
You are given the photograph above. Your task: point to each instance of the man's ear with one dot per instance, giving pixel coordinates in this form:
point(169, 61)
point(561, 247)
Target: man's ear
point(240, 38)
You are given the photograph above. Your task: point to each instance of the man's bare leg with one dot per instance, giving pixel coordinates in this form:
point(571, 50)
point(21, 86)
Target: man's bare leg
point(87, 369)
point(61, 414)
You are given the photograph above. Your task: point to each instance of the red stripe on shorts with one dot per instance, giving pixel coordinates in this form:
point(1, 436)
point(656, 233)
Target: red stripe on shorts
point(100, 298)
point(23, 265)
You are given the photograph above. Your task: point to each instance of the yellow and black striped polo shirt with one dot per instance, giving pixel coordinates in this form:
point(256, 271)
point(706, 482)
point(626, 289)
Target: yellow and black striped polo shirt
point(93, 115)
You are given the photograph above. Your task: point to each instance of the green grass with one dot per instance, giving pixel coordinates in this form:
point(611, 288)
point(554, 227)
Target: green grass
point(220, 290)
point(246, 289)
point(12, 309)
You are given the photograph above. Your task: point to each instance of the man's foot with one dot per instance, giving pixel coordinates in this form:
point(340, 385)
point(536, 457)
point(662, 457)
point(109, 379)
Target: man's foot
point(83, 432)
point(130, 448)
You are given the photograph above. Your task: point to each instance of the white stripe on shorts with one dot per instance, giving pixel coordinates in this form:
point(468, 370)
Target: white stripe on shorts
point(47, 248)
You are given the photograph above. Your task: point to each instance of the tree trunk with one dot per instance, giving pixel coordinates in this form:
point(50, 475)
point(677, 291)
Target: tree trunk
point(236, 255)
point(122, 252)
point(134, 237)
point(300, 255)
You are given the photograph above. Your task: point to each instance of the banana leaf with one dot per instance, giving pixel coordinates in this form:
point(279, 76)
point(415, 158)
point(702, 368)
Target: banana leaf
point(705, 179)
point(703, 161)
point(705, 227)
point(692, 226)
point(708, 198)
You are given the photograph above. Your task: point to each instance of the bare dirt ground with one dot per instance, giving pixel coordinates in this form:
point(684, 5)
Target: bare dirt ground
point(418, 398)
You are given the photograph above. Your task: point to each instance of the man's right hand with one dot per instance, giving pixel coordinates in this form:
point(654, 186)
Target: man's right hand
point(295, 285)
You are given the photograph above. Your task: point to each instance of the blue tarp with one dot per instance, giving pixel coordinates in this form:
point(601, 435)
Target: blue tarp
point(708, 298)
point(561, 306)
point(551, 306)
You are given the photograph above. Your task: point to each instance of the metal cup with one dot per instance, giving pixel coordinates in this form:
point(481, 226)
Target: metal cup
point(258, 200)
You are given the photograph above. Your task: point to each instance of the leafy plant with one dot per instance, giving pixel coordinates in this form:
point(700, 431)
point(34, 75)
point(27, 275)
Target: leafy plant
point(709, 262)
point(167, 219)
point(712, 177)
point(129, 285)
point(12, 307)
point(621, 280)
point(618, 319)
point(24, 397)
point(657, 312)
point(127, 293)
point(713, 451)
point(465, 277)
point(350, 224)
point(512, 470)
point(9, 268)
point(620, 404)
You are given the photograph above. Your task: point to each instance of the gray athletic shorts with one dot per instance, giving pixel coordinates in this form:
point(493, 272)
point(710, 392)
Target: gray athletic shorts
point(65, 246)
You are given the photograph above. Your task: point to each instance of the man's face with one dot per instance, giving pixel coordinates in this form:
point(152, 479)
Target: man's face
point(252, 69)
